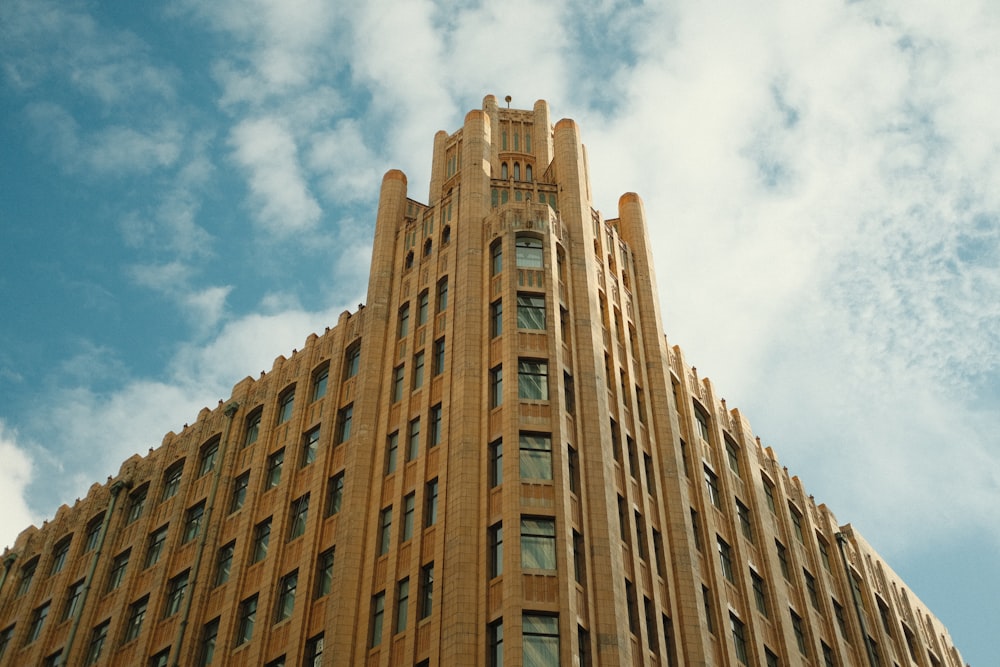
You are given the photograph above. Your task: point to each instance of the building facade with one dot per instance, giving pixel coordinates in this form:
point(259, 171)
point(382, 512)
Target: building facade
point(497, 460)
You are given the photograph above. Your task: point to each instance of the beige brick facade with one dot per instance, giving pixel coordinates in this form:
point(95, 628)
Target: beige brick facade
point(498, 454)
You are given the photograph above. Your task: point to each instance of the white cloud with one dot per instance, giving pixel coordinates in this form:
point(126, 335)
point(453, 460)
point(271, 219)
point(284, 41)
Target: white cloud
point(16, 473)
point(266, 150)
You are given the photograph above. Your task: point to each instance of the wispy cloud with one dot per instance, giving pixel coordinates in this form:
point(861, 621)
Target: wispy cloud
point(15, 475)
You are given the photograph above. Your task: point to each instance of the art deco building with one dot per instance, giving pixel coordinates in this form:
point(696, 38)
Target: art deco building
point(497, 460)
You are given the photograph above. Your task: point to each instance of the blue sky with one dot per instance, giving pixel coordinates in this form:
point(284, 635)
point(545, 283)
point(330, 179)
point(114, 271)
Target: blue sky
point(188, 189)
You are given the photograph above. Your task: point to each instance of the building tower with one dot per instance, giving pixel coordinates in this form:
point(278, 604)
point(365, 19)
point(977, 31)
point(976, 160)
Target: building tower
point(497, 460)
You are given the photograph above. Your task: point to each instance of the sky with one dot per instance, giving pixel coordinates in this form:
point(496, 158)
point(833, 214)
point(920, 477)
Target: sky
point(188, 189)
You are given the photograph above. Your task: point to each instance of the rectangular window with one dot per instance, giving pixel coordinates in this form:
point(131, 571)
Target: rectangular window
point(334, 494)
point(530, 311)
point(532, 380)
point(496, 463)
point(246, 617)
point(175, 593)
point(286, 596)
point(345, 417)
point(253, 428)
point(538, 543)
point(540, 639)
point(385, 531)
point(422, 302)
point(640, 535)
point(813, 593)
point(426, 590)
point(320, 379)
point(403, 328)
point(274, 464)
point(413, 440)
point(496, 387)
point(838, 611)
point(783, 559)
point(496, 318)
point(746, 524)
point(768, 493)
point(800, 633)
point(418, 370)
point(528, 252)
point(707, 601)
point(136, 615)
point(434, 437)
point(495, 536)
point(438, 361)
point(38, 617)
point(261, 538)
point(239, 493)
point(536, 456)
point(442, 302)
point(828, 660)
point(207, 457)
point(701, 424)
point(352, 361)
point(726, 559)
point(494, 651)
point(824, 552)
point(696, 529)
point(431, 503)
point(733, 456)
point(118, 567)
point(97, 638)
point(651, 631)
point(136, 501)
point(73, 594)
point(378, 617)
point(579, 560)
point(209, 636)
point(324, 573)
point(573, 462)
point(391, 452)
point(224, 563)
point(759, 592)
point(661, 563)
point(409, 510)
point(402, 604)
point(172, 480)
point(154, 546)
point(647, 464)
point(299, 516)
point(496, 258)
point(712, 485)
point(739, 639)
point(633, 608)
point(622, 519)
point(397, 384)
point(796, 523)
point(192, 522)
point(285, 406)
point(633, 457)
point(310, 447)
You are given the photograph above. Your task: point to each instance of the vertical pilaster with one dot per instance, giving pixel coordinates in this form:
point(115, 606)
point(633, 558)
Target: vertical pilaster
point(438, 167)
point(541, 137)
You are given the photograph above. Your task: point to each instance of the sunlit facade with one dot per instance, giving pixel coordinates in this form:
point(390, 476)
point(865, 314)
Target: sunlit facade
point(497, 460)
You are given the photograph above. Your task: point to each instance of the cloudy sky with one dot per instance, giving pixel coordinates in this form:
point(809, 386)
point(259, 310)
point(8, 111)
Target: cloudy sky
point(188, 189)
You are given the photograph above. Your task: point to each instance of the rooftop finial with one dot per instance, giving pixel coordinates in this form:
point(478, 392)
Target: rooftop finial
point(507, 100)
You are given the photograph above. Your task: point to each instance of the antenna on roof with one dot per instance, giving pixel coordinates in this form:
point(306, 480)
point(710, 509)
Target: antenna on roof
point(507, 99)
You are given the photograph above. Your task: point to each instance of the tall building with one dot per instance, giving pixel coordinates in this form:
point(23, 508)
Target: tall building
point(497, 460)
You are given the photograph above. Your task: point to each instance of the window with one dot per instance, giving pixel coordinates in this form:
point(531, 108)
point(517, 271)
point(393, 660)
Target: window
point(310, 445)
point(27, 574)
point(494, 655)
point(320, 379)
point(838, 611)
point(206, 460)
point(538, 543)
point(155, 546)
point(446, 235)
point(397, 384)
point(324, 573)
point(261, 538)
point(824, 552)
point(759, 592)
point(633, 457)
point(661, 566)
point(569, 393)
point(409, 509)
point(712, 485)
point(391, 452)
point(495, 463)
point(136, 615)
point(771, 658)
point(285, 406)
point(246, 617)
point(783, 559)
point(438, 361)
point(434, 437)
point(352, 361)
point(314, 651)
point(707, 601)
point(209, 635)
point(746, 525)
point(172, 480)
point(814, 595)
point(530, 311)
point(739, 639)
point(496, 258)
point(403, 328)
point(286, 596)
point(378, 617)
point(300, 513)
point(800, 633)
point(55, 660)
point(93, 533)
point(528, 252)
point(431, 503)
point(496, 387)
point(579, 564)
point(175, 593)
point(828, 660)
point(428, 246)
point(38, 617)
point(796, 523)
point(536, 456)
point(726, 558)
point(633, 609)
point(239, 493)
point(622, 519)
point(426, 590)
point(192, 522)
point(385, 531)
point(442, 303)
point(97, 638)
point(60, 552)
point(496, 318)
point(733, 456)
point(413, 441)
point(253, 427)
point(274, 463)
point(136, 501)
point(422, 308)
point(402, 604)
point(541, 640)
point(701, 424)
point(495, 535)
point(224, 563)
point(118, 567)
point(5, 636)
point(640, 536)
point(532, 379)
point(418, 370)
point(73, 594)
point(696, 529)
point(334, 494)
point(768, 493)
point(573, 462)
